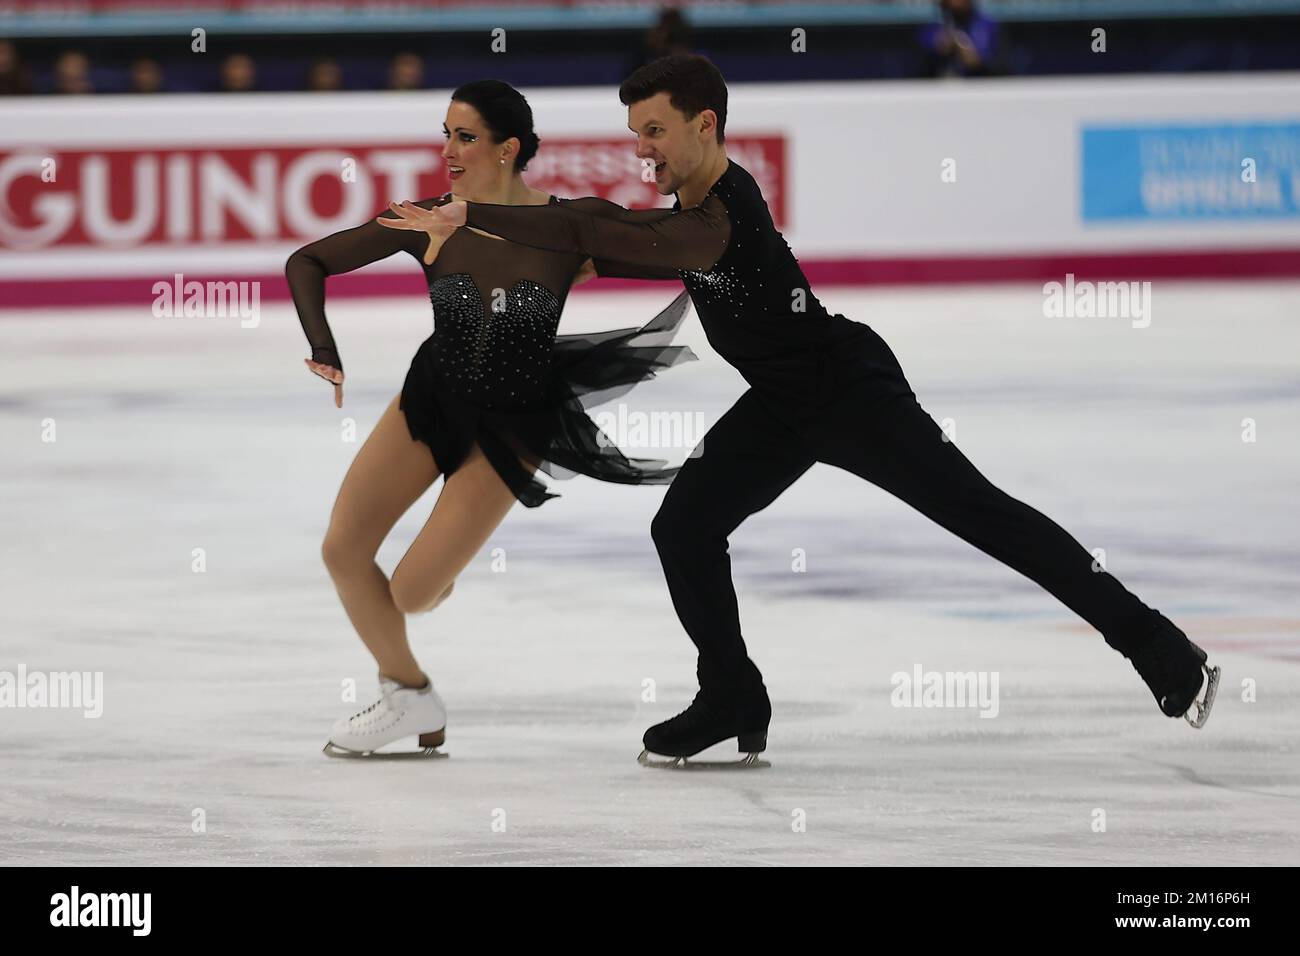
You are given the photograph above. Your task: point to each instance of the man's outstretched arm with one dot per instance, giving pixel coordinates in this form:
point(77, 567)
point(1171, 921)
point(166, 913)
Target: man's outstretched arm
point(660, 239)
point(613, 268)
point(648, 243)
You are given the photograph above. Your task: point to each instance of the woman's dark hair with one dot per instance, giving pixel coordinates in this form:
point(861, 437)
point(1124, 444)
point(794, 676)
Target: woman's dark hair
point(506, 113)
point(692, 82)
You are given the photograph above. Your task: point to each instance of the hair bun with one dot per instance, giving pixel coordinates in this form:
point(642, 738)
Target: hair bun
point(506, 113)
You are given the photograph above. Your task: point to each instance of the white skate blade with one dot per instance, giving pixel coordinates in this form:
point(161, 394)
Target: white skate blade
point(332, 749)
point(1202, 706)
point(426, 751)
point(747, 762)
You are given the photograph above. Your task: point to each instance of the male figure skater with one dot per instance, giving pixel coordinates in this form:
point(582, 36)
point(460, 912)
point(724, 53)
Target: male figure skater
point(822, 388)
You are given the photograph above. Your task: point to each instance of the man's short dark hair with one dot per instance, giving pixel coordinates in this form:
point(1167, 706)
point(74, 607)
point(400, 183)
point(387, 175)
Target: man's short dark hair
point(693, 84)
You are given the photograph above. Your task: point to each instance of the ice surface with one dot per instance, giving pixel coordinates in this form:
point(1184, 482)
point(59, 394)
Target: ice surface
point(176, 434)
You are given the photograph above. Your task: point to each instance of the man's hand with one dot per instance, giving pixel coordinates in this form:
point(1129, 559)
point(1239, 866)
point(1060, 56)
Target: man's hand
point(439, 222)
point(584, 274)
point(418, 219)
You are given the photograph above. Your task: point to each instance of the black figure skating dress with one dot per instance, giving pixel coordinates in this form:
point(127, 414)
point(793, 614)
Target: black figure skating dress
point(494, 371)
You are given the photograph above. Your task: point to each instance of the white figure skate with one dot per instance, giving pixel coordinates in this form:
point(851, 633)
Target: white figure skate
point(399, 712)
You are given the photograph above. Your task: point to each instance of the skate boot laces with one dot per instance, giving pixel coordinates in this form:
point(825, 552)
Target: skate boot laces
point(692, 716)
point(377, 715)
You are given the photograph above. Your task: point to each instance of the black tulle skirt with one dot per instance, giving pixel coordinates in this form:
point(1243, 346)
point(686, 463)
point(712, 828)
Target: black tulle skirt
point(553, 433)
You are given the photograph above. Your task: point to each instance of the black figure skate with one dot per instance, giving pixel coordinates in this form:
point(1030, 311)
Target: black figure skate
point(711, 719)
point(1175, 669)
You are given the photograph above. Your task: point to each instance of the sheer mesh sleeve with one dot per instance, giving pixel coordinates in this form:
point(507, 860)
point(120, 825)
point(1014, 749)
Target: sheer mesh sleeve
point(612, 268)
point(654, 241)
point(344, 251)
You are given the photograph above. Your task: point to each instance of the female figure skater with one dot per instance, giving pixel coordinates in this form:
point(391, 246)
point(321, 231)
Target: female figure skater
point(491, 397)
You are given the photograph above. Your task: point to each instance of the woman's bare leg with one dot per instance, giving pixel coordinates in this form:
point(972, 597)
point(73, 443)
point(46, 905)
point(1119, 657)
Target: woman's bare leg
point(473, 502)
point(389, 474)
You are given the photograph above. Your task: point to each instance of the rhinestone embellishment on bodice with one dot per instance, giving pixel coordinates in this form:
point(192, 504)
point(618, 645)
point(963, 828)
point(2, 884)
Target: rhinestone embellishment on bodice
point(498, 352)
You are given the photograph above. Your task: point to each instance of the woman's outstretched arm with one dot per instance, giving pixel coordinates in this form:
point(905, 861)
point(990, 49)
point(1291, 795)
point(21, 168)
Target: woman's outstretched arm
point(344, 251)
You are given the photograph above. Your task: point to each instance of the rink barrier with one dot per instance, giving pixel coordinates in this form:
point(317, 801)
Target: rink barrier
point(1210, 265)
point(1166, 176)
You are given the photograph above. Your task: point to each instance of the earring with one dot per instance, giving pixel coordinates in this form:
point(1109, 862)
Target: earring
point(503, 160)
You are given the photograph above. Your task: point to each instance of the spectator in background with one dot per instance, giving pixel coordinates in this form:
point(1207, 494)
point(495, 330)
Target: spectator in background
point(14, 77)
point(238, 74)
point(72, 74)
point(146, 76)
point(406, 72)
point(963, 43)
point(671, 34)
point(324, 76)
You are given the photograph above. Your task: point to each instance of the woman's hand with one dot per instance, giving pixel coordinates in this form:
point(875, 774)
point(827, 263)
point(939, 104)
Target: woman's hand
point(330, 374)
point(439, 222)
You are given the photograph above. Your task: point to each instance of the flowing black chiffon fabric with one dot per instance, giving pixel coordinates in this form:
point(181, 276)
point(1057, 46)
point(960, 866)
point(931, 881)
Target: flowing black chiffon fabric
point(555, 434)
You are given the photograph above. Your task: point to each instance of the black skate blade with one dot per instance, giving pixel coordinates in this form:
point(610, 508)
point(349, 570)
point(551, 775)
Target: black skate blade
point(659, 761)
point(1202, 706)
point(332, 749)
